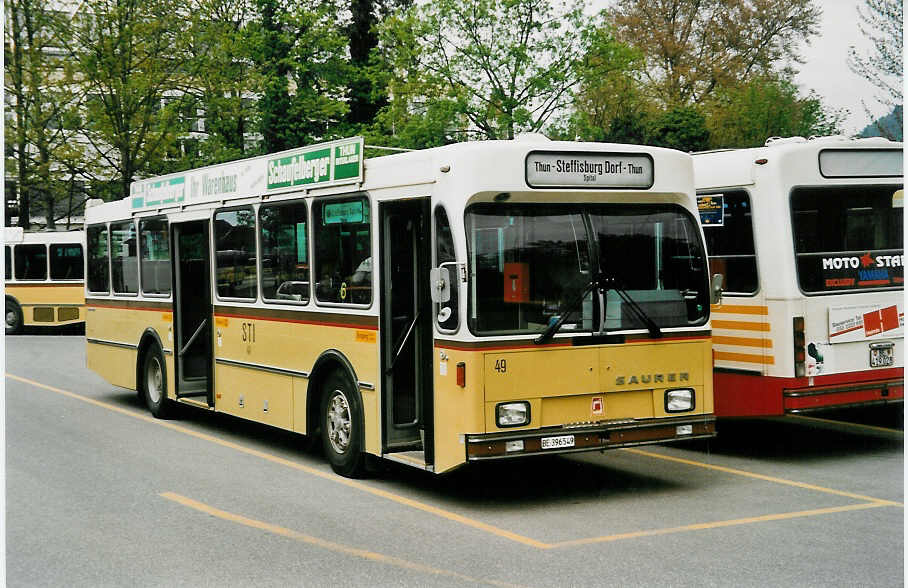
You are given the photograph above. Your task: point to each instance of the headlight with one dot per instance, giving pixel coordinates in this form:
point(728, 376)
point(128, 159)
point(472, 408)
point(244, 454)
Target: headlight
point(513, 414)
point(679, 400)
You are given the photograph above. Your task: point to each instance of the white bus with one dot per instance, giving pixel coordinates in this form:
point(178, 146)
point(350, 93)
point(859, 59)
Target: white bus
point(809, 236)
point(43, 278)
point(469, 302)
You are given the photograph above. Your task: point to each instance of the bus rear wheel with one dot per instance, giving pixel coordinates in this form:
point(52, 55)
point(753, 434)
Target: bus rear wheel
point(13, 317)
point(154, 383)
point(342, 426)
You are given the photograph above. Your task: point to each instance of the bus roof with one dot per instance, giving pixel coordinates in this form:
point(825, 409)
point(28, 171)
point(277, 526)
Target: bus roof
point(803, 161)
point(459, 171)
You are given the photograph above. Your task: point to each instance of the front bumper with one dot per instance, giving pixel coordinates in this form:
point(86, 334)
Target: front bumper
point(625, 433)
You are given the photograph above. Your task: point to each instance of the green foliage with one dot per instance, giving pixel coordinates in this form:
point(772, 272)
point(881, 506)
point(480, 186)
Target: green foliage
point(682, 128)
point(301, 61)
point(501, 66)
point(42, 109)
point(692, 47)
point(129, 55)
point(746, 115)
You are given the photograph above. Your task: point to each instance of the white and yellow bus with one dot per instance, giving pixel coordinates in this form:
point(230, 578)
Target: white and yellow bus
point(809, 236)
point(470, 302)
point(43, 278)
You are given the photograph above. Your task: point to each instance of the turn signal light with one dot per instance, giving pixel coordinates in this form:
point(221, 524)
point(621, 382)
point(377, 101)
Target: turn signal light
point(462, 374)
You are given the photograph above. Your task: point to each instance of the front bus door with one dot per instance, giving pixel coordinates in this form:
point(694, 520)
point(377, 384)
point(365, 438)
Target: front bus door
point(406, 327)
point(192, 310)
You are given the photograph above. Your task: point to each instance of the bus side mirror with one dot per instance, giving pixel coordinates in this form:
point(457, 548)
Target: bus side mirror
point(715, 289)
point(440, 284)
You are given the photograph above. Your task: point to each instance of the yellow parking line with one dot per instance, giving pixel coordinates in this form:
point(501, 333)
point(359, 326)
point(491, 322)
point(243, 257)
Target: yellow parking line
point(763, 477)
point(451, 516)
point(844, 424)
point(719, 524)
point(329, 545)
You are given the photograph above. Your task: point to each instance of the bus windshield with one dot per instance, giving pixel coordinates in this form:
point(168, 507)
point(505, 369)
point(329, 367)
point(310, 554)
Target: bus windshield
point(530, 262)
point(848, 238)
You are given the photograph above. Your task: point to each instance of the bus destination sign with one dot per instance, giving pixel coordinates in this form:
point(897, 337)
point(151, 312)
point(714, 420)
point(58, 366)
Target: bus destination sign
point(326, 164)
point(589, 170)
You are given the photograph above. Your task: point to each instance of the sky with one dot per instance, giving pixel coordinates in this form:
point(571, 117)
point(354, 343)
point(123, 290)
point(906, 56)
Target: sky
point(826, 72)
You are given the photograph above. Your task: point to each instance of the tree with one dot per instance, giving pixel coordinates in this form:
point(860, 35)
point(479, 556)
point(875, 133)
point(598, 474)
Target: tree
point(301, 59)
point(130, 56)
point(682, 128)
point(503, 65)
point(223, 85)
point(882, 24)
point(746, 115)
point(43, 96)
point(692, 47)
point(609, 104)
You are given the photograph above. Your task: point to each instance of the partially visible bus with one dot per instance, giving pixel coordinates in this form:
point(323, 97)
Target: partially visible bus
point(44, 278)
point(470, 302)
point(809, 236)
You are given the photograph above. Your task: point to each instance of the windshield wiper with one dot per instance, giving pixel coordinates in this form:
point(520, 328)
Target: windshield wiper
point(610, 283)
point(565, 311)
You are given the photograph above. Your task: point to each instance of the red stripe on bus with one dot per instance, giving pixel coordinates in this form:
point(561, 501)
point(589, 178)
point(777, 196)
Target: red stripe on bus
point(298, 321)
point(129, 308)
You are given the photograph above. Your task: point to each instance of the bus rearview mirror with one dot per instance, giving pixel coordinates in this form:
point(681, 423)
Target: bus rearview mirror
point(715, 288)
point(440, 284)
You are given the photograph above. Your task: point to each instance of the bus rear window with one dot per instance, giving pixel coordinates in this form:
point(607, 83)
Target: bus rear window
point(848, 238)
point(66, 262)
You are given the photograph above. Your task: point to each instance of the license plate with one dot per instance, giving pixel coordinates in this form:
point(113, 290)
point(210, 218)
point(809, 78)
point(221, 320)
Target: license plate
point(881, 355)
point(558, 442)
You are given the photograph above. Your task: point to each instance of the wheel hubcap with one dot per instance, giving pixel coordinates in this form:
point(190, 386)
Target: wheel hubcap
point(339, 422)
point(154, 380)
point(10, 318)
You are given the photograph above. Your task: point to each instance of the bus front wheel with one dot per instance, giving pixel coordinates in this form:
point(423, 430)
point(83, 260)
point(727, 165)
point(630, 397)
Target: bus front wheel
point(342, 426)
point(154, 383)
point(13, 317)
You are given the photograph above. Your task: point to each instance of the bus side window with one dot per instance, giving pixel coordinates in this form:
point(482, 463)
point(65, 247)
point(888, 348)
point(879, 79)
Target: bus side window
point(9, 263)
point(98, 268)
point(155, 256)
point(730, 246)
point(66, 262)
point(234, 242)
point(343, 251)
point(124, 258)
point(285, 252)
point(444, 257)
point(31, 262)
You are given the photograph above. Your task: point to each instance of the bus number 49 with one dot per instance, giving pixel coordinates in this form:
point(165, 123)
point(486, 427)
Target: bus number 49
point(501, 366)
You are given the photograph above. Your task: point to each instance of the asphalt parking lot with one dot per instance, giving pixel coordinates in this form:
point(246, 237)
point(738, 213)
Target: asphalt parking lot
point(101, 494)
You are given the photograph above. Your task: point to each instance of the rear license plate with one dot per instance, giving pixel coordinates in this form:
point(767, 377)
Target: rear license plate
point(558, 442)
point(881, 355)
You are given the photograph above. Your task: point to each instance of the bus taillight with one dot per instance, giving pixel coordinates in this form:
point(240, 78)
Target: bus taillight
point(800, 353)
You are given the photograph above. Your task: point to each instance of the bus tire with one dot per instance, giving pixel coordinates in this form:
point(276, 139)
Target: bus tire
point(154, 383)
point(342, 426)
point(13, 317)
